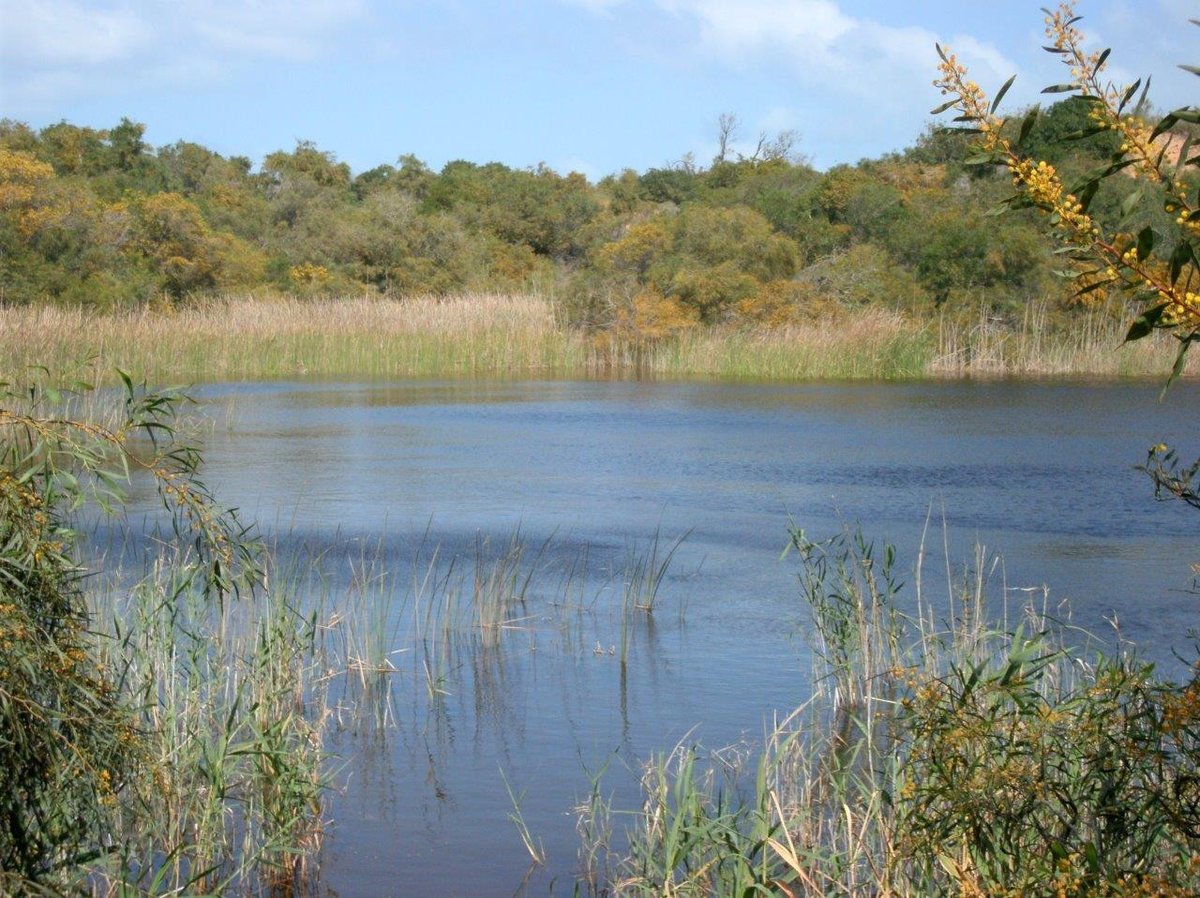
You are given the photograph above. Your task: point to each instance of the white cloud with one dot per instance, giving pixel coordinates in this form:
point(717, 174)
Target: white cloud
point(739, 29)
point(53, 50)
point(866, 82)
point(287, 29)
point(825, 46)
point(54, 32)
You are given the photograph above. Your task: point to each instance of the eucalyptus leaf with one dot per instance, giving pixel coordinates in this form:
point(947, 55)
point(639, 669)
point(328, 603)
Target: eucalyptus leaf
point(1027, 124)
point(1145, 323)
point(1001, 92)
point(1180, 359)
point(1145, 243)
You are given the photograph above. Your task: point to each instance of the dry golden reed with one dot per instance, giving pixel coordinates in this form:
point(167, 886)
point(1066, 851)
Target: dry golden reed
point(478, 335)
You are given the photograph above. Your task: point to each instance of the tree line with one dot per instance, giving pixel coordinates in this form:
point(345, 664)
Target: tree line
point(99, 218)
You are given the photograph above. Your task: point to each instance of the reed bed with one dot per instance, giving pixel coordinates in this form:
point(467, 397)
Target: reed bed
point(487, 335)
point(950, 750)
point(871, 345)
point(232, 705)
point(1091, 344)
point(247, 339)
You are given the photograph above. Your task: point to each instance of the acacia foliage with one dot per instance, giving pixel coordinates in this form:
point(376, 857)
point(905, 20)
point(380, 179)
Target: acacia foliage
point(1144, 246)
point(1129, 225)
point(100, 218)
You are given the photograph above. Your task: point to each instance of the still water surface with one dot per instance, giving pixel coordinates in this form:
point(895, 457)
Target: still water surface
point(1039, 473)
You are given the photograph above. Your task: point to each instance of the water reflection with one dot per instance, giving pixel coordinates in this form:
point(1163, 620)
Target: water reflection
point(410, 492)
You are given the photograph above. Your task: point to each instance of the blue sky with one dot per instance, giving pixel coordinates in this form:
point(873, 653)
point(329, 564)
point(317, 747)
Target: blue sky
point(587, 85)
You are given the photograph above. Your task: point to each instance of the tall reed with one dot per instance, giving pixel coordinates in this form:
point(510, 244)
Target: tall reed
point(1089, 343)
point(232, 706)
point(939, 755)
point(522, 336)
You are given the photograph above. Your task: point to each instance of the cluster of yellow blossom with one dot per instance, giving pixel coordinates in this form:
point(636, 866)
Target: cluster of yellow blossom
point(308, 273)
point(1045, 188)
point(1039, 180)
point(1120, 261)
point(971, 100)
point(1183, 309)
point(1181, 710)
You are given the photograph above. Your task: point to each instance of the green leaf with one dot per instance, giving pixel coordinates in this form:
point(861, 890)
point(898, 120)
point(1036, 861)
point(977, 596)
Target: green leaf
point(939, 110)
point(1164, 125)
point(1086, 195)
point(1058, 88)
point(1145, 323)
point(1177, 368)
point(1130, 203)
point(1096, 285)
point(1129, 92)
point(1027, 124)
point(1140, 108)
point(1084, 133)
point(1145, 243)
point(1100, 62)
point(989, 157)
point(1195, 70)
point(1000, 94)
point(1118, 166)
point(1183, 154)
point(1179, 257)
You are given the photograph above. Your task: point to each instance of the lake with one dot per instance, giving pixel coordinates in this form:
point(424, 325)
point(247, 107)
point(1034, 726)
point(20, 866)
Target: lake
point(579, 485)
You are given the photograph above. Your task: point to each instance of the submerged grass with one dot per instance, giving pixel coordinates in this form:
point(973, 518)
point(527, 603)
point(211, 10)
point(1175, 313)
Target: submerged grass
point(232, 703)
point(521, 336)
point(939, 755)
point(232, 707)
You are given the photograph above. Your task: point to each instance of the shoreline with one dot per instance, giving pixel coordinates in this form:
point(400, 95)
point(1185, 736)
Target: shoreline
point(521, 337)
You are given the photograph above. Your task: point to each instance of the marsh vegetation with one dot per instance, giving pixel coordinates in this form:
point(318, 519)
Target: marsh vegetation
point(197, 701)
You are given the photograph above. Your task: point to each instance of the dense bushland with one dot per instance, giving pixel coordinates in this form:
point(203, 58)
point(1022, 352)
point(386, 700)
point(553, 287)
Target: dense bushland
point(98, 218)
